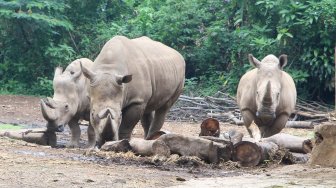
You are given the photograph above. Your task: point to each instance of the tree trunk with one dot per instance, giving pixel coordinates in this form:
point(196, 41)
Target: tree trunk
point(300, 124)
point(38, 136)
point(290, 142)
point(324, 151)
point(117, 146)
point(196, 146)
point(149, 147)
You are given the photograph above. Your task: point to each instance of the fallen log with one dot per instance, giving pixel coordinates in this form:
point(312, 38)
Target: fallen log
point(292, 143)
point(300, 124)
point(196, 146)
point(324, 151)
point(253, 153)
point(117, 146)
point(149, 147)
point(223, 141)
point(296, 158)
point(37, 136)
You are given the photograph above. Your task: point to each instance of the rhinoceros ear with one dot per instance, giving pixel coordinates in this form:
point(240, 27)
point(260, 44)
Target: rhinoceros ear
point(58, 71)
point(282, 61)
point(87, 73)
point(123, 79)
point(253, 61)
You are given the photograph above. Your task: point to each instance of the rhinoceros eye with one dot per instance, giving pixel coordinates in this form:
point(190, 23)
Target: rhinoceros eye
point(72, 72)
point(66, 107)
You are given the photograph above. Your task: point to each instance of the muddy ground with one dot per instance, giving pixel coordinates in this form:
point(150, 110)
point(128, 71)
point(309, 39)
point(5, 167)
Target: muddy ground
point(29, 165)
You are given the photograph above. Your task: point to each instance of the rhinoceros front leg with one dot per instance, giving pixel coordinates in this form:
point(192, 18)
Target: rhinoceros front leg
point(130, 117)
point(278, 124)
point(146, 121)
point(91, 137)
point(251, 126)
point(75, 133)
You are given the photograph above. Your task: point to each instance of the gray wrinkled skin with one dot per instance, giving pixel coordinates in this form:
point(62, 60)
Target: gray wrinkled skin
point(133, 80)
point(266, 96)
point(70, 102)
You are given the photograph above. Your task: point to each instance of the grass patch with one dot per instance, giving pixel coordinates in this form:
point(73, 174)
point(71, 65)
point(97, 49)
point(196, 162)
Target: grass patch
point(10, 127)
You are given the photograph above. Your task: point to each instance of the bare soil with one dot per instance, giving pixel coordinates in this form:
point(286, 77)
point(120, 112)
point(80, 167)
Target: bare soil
point(29, 165)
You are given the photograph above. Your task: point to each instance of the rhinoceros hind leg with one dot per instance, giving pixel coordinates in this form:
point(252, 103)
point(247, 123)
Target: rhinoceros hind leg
point(159, 117)
point(278, 125)
point(75, 133)
point(130, 117)
point(91, 137)
point(146, 121)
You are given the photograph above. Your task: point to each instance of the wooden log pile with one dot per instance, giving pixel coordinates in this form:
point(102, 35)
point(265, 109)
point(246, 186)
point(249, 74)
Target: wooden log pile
point(215, 149)
point(224, 108)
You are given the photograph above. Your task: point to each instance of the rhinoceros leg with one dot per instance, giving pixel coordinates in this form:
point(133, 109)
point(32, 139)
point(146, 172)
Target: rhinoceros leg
point(251, 126)
point(146, 121)
point(75, 133)
point(278, 125)
point(158, 120)
point(130, 117)
point(91, 137)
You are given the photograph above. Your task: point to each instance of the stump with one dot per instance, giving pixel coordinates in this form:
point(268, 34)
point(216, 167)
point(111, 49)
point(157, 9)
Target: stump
point(210, 127)
point(324, 151)
point(37, 136)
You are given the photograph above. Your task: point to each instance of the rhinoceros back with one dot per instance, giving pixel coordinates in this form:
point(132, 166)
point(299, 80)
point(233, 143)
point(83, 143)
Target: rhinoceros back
point(158, 70)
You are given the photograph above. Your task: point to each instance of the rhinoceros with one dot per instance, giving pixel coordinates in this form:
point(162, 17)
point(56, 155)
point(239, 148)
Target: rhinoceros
point(266, 96)
point(70, 102)
point(132, 80)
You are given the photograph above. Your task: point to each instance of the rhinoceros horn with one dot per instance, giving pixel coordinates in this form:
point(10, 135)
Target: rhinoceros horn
point(103, 113)
point(267, 100)
point(87, 73)
point(110, 122)
point(47, 112)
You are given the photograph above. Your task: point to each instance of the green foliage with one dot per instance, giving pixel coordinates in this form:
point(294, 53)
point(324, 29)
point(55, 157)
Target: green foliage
point(213, 36)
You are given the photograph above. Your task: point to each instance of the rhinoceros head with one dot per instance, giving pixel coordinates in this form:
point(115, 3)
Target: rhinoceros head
point(268, 84)
point(60, 109)
point(106, 94)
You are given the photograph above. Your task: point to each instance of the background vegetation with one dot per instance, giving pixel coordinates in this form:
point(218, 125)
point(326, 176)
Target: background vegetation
point(214, 36)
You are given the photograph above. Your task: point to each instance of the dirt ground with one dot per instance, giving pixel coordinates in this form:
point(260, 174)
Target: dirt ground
point(29, 165)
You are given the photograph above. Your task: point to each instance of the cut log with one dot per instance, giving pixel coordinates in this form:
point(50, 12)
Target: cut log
point(196, 146)
point(230, 137)
point(290, 142)
point(210, 127)
point(324, 151)
point(296, 158)
point(300, 124)
point(117, 146)
point(246, 153)
point(234, 136)
point(149, 147)
point(37, 136)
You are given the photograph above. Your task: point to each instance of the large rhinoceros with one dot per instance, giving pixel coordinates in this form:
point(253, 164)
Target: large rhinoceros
point(70, 102)
point(132, 80)
point(266, 96)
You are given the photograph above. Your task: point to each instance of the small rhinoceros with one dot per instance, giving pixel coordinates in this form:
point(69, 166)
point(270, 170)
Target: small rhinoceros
point(70, 102)
point(132, 80)
point(266, 96)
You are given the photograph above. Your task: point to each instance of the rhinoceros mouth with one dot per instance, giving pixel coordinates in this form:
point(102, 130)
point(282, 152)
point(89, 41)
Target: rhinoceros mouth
point(265, 114)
